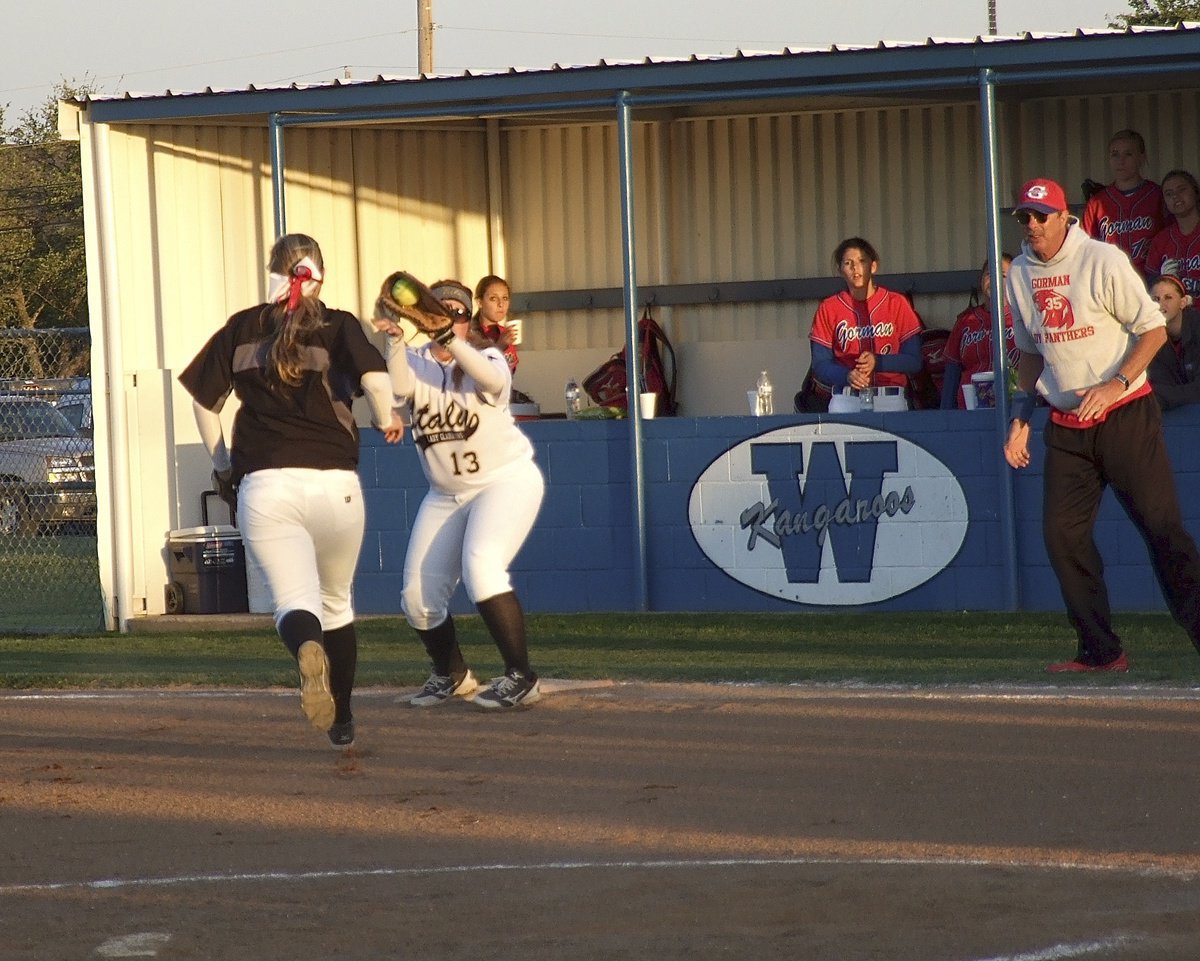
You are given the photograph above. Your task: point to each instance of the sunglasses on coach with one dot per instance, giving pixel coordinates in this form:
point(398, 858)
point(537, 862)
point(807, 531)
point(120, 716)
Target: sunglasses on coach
point(1024, 216)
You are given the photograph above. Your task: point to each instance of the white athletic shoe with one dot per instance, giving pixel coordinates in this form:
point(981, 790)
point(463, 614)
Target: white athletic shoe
point(440, 688)
point(316, 700)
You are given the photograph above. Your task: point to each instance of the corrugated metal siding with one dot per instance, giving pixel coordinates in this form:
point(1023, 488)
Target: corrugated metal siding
point(562, 222)
point(717, 199)
point(757, 197)
point(421, 204)
point(772, 196)
point(194, 226)
point(1067, 138)
point(738, 198)
point(376, 201)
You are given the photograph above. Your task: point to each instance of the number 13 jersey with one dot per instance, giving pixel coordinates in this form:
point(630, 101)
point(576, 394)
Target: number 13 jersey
point(466, 437)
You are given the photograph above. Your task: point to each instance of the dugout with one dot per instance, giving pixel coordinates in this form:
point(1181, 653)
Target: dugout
point(713, 188)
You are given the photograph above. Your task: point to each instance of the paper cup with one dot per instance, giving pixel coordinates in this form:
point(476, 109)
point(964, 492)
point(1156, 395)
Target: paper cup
point(968, 391)
point(985, 389)
point(649, 402)
point(752, 399)
point(514, 328)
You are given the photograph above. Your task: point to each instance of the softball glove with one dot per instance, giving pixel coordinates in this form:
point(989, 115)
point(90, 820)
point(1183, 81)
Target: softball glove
point(403, 297)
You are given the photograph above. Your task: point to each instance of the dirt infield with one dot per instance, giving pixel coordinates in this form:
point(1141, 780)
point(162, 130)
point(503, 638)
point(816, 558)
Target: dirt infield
point(609, 822)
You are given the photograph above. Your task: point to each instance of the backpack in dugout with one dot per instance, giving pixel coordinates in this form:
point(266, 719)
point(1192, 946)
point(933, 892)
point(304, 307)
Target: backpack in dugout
point(606, 385)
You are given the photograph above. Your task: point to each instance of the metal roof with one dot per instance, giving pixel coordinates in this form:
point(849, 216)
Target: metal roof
point(883, 67)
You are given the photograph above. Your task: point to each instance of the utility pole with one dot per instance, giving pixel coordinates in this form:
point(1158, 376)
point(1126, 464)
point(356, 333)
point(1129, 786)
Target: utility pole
point(425, 36)
point(991, 18)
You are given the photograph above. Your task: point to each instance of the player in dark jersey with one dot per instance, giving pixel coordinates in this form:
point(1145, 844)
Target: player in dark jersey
point(1130, 210)
point(295, 366)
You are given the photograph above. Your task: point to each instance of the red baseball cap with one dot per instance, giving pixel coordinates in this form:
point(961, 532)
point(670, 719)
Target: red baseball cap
point(1044, 196)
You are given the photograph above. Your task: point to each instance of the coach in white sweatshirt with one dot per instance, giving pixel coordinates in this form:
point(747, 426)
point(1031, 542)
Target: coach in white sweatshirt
point(1087, 330)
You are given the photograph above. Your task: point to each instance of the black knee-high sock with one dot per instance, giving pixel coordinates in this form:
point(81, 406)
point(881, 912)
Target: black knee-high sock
point(506, 622)
point(341, 647)
point(296, 627)
point(441, 644)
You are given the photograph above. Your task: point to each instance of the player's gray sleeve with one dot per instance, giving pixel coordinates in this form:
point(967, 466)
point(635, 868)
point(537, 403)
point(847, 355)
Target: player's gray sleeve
point(377, 386)
point(488, 377)
point(212, 435)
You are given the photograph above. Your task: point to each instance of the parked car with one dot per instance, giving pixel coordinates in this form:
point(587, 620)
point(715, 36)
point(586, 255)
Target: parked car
point(47, 469)
point(71, 395)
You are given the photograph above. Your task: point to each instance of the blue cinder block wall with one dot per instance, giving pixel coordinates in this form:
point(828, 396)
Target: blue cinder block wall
point(580, 554)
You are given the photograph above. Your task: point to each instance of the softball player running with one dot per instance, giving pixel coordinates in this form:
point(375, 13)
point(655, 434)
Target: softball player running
point(295, 366)
point(484, 493)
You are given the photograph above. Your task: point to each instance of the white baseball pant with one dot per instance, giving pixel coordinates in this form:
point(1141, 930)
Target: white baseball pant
point(303, 528)
point(471, 536)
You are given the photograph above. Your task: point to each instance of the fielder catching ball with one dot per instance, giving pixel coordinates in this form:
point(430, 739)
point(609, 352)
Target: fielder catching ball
point(484, 488)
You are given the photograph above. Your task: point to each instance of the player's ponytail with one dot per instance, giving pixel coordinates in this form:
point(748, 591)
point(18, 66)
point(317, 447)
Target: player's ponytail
point(297, 269)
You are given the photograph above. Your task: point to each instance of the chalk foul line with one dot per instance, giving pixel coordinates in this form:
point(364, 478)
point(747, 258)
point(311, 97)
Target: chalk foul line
point(113, 884)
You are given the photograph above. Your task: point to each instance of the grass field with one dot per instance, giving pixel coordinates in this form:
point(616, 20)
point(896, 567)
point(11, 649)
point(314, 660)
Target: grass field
point(907, 649)
point(61, 566)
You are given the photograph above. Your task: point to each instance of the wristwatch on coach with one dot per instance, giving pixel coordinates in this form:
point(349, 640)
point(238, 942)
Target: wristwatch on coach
point(1121, 379)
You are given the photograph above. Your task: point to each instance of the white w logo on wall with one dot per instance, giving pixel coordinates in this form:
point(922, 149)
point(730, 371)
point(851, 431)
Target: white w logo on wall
point(828, 514)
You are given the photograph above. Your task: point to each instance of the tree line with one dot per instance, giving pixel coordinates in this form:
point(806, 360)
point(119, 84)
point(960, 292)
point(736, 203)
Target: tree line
point(43, 272)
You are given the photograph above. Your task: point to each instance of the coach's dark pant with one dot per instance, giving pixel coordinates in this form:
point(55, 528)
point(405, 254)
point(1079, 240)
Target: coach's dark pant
point(1128, 452)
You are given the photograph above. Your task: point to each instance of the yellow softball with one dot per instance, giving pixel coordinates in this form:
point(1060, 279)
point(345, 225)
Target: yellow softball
point(404, 293)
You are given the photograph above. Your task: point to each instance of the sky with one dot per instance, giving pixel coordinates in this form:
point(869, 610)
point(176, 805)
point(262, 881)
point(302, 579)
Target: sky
point(118, 46)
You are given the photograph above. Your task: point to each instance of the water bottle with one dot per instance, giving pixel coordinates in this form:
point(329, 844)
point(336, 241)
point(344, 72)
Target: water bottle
point(866, 398)
point(574, 401)
point(766, 394)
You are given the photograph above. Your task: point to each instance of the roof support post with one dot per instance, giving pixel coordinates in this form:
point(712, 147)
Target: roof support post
point(110, 340)
point(1008, 534)
point(633, 356)
point(276, 136)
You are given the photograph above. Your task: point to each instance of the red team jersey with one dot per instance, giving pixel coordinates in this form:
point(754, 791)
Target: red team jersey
point(880, 325)
point(970, 343)
point(1185, 250)
point(493, 333)
point(1129, 220)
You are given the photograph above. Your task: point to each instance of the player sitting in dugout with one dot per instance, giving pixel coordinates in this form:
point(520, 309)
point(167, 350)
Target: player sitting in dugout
point(866, 336)
point(1175, 370)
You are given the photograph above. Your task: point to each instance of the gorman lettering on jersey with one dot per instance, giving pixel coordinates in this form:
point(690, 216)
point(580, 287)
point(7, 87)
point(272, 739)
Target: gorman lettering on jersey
point(432, 426)
point(846, 333)
point(1130, 225)
point(971, 338)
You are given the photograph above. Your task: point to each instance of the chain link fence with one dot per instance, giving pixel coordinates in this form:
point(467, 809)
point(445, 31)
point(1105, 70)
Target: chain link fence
point(48, 558)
